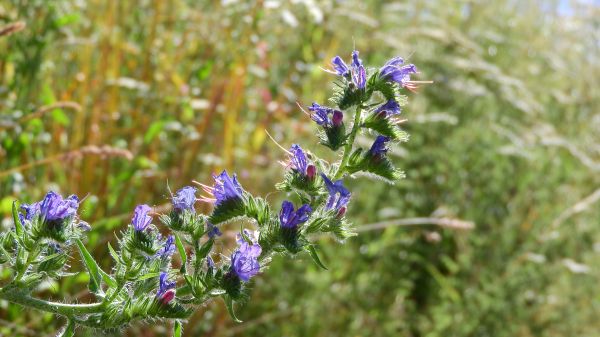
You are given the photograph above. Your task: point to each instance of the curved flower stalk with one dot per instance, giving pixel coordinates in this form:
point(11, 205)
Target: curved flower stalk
point(147, 284)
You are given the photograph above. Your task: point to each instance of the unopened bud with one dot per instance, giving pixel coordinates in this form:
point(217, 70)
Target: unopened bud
point(167, 297)
point(341, 212)
point(311, 171)
point(337, 118)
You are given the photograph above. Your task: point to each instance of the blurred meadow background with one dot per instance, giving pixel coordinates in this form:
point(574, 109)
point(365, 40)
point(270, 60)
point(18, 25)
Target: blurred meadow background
point(494, 232)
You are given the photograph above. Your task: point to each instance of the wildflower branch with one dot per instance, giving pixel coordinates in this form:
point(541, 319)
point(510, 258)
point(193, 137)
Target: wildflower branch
point(348, 147)
point(143, 284)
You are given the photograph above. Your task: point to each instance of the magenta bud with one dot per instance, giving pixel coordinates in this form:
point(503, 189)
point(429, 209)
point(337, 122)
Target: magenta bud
point(337, 118)
point(311, 171)
point(167, 297)
point(341, 212)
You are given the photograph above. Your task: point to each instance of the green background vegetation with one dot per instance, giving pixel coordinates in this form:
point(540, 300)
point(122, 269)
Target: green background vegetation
point(113, 99)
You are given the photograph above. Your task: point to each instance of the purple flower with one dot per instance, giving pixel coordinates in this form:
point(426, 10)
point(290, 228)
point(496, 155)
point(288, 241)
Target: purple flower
point(298, 159)
point(321, 114)
point(379, 147)
point(338, 118)
point(244, 261)
point(168, 248)
point(225, 189)
point(185, 199)
point(340, 66)
point(31, 210)
point(54, 207)
point(290, 219)
point(141, 219)
point(338, 194)
point(252, 235)
point(389, 108)
point(210, 263)
point(359, 75)
point(165, 293)
point(394, 71)
point(212, 230)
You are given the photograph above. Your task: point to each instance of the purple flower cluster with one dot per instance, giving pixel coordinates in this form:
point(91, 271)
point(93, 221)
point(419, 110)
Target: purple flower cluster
point(389, 108)
point(395, 71)
point(339, 196)
point(359, 74)
point(168, 248)
point(289, 218)
point(340, 66)
point(244, 261)
point(356, 71)
point(31, 210)
point(212, 230)
point(54, 207)
point(299, 162)
point(166, 291)
point(141, 219)
point(185, 199)
point(320, 114)
point(225, 189)
point(379, 147)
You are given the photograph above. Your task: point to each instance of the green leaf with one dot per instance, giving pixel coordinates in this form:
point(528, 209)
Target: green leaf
point(114, 254)
point(147, 276)
point(313, 253)
point(16, 220)
point(69, 330)
point(92, 267)
point(229, 305)
point(177, 329)
point(205, 249)
point(153, 131)
point(182, 253)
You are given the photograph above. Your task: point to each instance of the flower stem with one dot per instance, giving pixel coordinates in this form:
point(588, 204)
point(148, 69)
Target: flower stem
point(349, 143)
point(13, 295)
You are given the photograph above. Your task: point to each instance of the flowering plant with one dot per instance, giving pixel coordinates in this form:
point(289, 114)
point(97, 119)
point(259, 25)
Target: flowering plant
point(144, 284)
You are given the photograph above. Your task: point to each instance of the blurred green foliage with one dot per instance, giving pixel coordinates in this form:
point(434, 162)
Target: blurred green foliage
point(111, 99)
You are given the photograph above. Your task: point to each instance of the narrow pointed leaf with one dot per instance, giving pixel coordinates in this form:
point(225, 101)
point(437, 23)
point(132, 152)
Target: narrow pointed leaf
point(17, 221)
point(92, 267)
point(177, 329)
point(313, 253)
point(182, 253)
point(229, 305)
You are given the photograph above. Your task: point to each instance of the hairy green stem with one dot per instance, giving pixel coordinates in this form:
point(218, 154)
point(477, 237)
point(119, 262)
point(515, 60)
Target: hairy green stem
point(349, 143)
point(13, 295)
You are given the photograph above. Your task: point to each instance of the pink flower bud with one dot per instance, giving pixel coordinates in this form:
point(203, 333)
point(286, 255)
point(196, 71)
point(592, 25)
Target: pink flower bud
point(338, 117)
point(311, 171)
point(167, 297)
point(341, 212)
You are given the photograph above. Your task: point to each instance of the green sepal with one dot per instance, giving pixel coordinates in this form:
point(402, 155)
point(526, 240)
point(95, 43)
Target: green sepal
point(258, 209)
point(377, 166)
point(385, 126)
point(228, 210)
point(334, 137)
point(389, 89)
point(294, 181)
point(346, 95)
